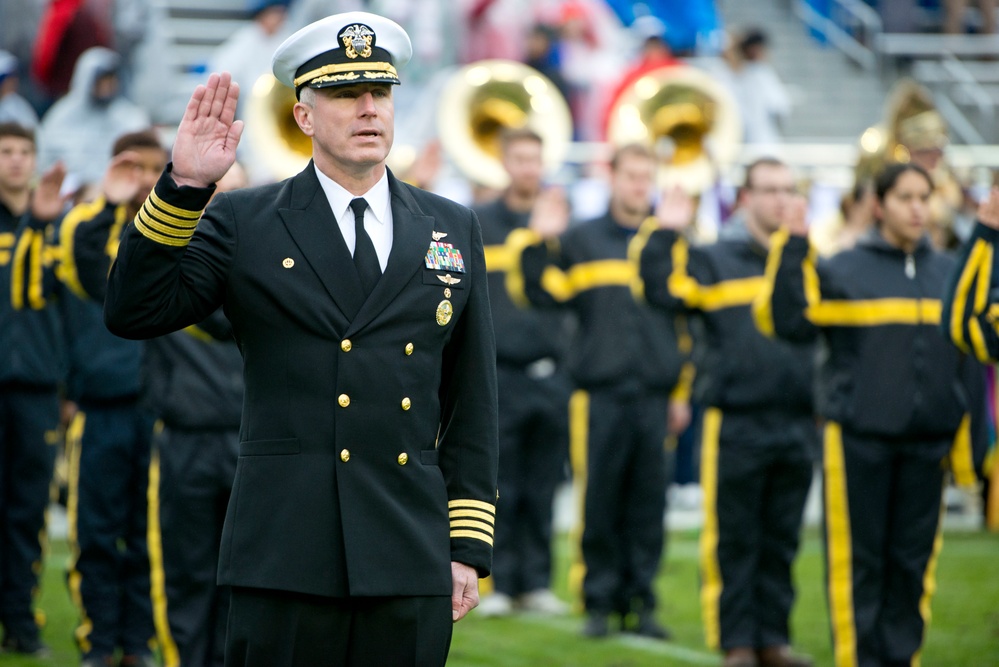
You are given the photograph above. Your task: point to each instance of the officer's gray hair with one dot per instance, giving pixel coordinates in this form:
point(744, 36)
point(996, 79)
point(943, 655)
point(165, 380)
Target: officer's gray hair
point(307, 96)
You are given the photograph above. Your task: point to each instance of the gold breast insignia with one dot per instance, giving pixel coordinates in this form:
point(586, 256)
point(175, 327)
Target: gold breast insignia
point(444, 312)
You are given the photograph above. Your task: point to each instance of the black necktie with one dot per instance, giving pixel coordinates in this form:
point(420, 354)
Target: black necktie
point(365, 257)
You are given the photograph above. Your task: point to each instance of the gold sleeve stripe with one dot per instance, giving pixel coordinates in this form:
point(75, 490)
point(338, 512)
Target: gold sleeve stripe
point(731, 293)
point(680, 284)
point(957, 313)
point(35, 298)
point(164, 227)
point(473, 534)
point(762, 307)
point(516, 242)
point(472, 514)
point(635, 248)
point(499, 258)
point(159, 238)
point(17, 271)
point(478, 525)
point(183, 213)
point(167, 219)
point(66, 270)
point(473, 504)
point(875, 312)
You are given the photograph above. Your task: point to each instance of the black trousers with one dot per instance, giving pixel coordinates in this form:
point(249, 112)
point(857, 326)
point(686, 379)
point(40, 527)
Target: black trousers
point(756, 469)
point(109, 577)
point(621, 437)
point(196, 470)
point(534, 448)
point(281, 629)
point(882, 516)
point(29, 419)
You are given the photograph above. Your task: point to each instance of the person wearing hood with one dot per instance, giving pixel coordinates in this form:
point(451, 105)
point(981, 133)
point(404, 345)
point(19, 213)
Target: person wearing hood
point(80, 128)
point(13, 107)
point(900, 405)
point(758, 433)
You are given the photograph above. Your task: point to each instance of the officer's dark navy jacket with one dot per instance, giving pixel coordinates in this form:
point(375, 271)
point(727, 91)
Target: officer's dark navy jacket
point(887, 370)
point(193, 379)
point(523, 335)
point(737, 367)
point(619, 342)
point(31, 334)
point(369, 439)
point(971, 302)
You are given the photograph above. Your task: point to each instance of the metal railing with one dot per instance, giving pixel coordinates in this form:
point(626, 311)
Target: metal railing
point(852, 27)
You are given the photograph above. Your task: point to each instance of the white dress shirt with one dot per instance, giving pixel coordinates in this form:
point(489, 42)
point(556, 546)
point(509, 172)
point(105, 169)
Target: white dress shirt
point(377, 218)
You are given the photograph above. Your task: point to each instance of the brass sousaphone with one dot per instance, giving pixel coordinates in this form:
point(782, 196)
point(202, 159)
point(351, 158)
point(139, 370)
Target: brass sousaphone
point(482, 99)
point(689, 119)
point(278, 146)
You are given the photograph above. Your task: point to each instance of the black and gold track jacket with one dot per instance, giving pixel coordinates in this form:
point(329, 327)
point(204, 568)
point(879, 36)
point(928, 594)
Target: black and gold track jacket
point(737, 367)
point(886, 371)
point(619, 343)
point(31, 333)
point(971, 302)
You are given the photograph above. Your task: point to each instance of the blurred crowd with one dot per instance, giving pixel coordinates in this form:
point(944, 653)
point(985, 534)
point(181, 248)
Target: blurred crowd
point(146, 435)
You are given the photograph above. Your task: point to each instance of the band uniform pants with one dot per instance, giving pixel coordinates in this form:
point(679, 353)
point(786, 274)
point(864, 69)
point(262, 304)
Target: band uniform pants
point(534, 448)
point(109, 577)
point(882, 525)
point(756, 469)
point(621, 436)
point(29, 419)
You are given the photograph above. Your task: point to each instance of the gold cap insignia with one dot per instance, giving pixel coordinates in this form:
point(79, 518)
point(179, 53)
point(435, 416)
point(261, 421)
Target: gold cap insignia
point(357, 41)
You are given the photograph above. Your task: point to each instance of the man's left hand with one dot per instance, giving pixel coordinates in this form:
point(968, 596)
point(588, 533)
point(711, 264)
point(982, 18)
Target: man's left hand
point(464, 590)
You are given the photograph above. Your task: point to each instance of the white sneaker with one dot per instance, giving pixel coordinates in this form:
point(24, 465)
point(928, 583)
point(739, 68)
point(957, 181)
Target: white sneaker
point(542, 601)
point(495, 605)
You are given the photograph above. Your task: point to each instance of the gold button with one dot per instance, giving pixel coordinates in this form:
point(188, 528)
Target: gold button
point(344, 455)
point(288, 262)
point(344, 400)
point(403, 459)
point(345, 345)
point(409, 348)
point(406, 403)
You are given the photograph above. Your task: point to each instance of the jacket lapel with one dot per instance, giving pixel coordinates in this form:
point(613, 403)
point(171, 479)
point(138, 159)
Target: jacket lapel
point(410, 239)
point(312, 225)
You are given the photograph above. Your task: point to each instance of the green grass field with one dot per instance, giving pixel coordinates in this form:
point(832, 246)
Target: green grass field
point(964, 631)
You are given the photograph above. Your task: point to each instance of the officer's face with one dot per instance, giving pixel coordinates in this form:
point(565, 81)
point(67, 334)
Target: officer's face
point(17, 162)
point(770, 192)
point(352, 127)
point(905, 211)
point(632, 183)
point(522, 160)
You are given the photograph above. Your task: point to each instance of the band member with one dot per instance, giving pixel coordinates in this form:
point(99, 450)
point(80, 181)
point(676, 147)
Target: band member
point(897, 400)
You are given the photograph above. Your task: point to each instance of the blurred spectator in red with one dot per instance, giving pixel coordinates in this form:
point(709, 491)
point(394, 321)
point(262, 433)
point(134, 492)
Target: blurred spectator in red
point(68, 28)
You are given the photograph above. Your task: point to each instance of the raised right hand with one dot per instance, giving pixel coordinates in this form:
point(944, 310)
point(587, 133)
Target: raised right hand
point(205, 146)
point(550, 216)
point(795, 216)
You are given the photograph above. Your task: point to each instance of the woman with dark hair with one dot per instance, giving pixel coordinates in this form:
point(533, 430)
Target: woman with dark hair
point(896, 398)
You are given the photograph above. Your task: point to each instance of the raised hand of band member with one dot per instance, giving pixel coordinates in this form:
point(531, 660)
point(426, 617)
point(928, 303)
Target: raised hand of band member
point(464, 590)
point(988, 210)
point(121, 178)
point(675, 210)
point(205, 146)
point(795, 216)
point(550, 216)
point(46, 201)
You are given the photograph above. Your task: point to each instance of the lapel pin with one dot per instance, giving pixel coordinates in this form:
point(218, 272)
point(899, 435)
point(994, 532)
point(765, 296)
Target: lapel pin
point(288, 262)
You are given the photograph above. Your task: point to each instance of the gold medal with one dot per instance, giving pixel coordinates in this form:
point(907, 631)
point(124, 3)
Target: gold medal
point(444, 312)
